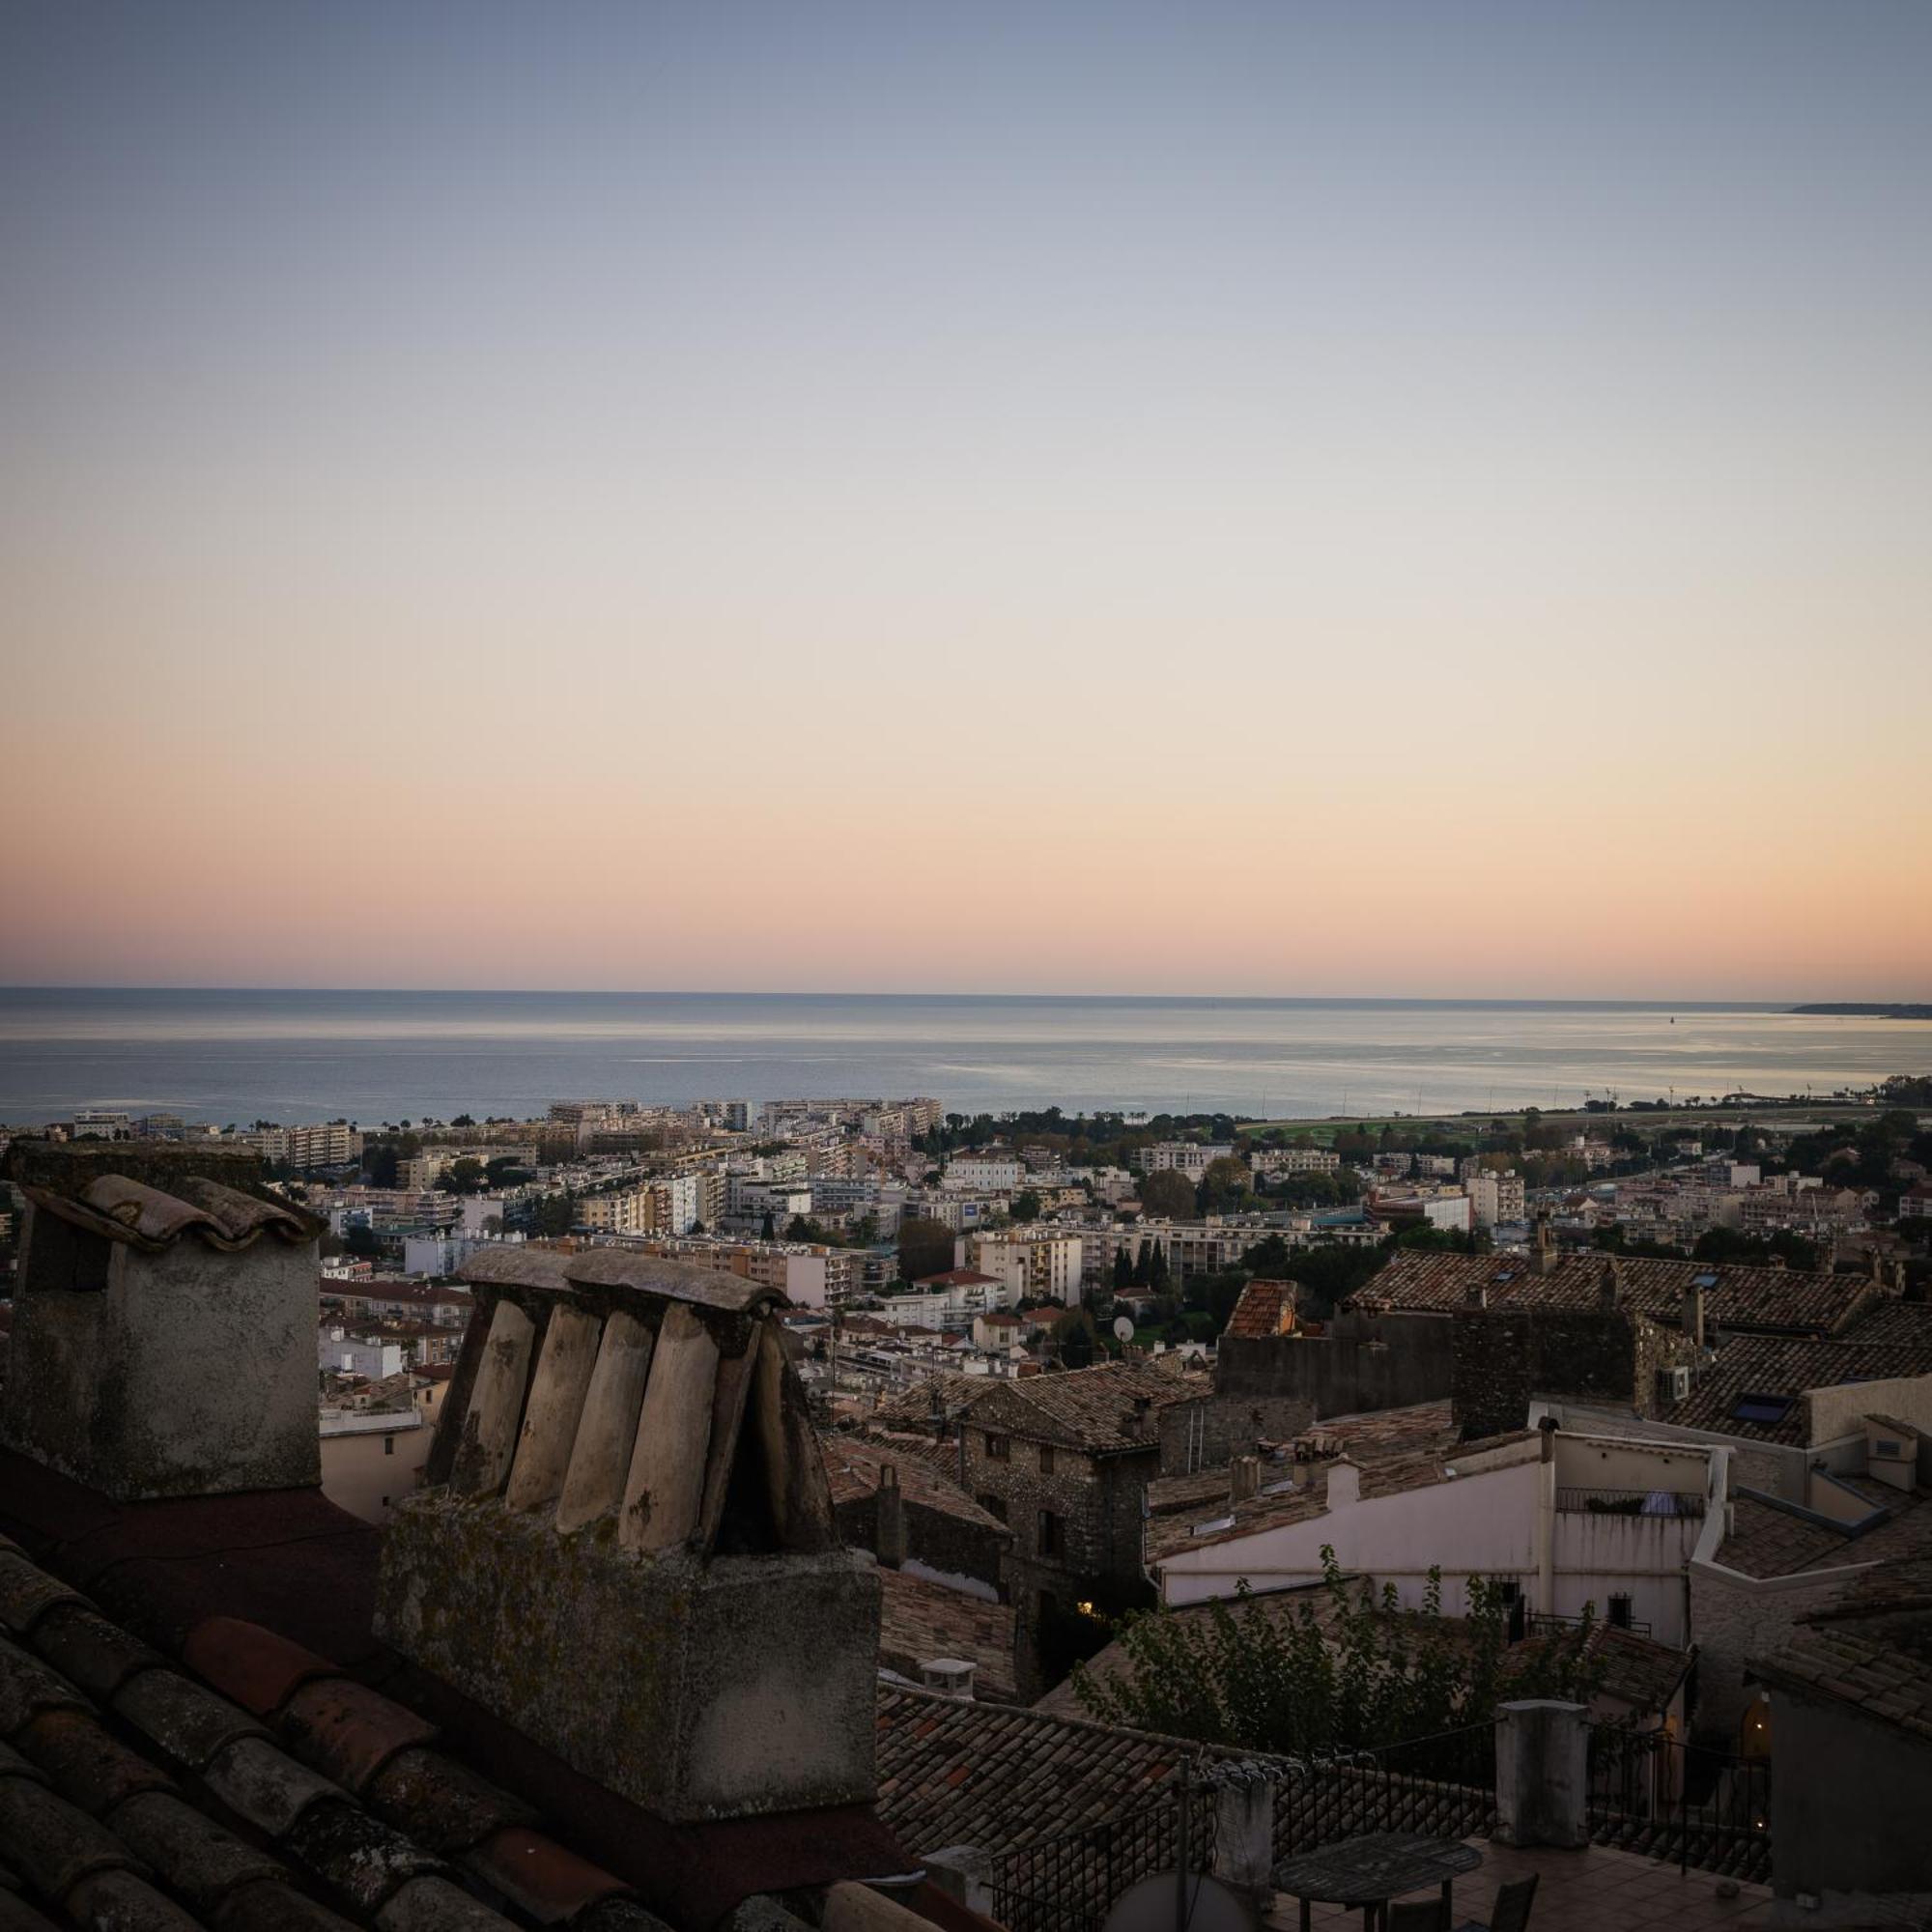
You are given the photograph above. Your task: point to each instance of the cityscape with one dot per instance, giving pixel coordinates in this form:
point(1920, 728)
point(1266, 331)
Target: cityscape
point(965, 968)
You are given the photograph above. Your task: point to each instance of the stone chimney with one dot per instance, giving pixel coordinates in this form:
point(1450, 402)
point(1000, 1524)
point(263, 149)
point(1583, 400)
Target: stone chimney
point(889, 1532)
point(1478, 1297)
point(1245, 1478)
point(1344, 1482)
point(1693, 1316)
point(1609, 1286)
point(164, 1325)
point(626, 1547)
point(1546, 1245)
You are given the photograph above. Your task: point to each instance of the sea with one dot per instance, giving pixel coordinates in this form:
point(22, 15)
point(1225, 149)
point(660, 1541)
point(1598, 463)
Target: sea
point(236, 1057)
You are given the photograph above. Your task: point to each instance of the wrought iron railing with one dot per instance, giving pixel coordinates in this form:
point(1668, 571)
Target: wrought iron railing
point(1552, 1623)
point(1630, 1502)
point(1069, 1883)
point(1442, 1787)
point(1653, 1794)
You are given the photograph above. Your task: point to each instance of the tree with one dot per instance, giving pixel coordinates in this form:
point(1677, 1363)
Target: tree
point(1076, 1340)
point(926, 1247)
point(768, 1228)
point(1225, 1182)
point(1124, 1269)
point(1257, 1677)
point(465, 1177)
point(506, 1170)
point(1026, 1205)
point(1166, 1195)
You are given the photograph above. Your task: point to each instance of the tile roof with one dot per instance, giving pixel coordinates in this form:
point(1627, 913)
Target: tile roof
point(1907, 1322)
point(853, 1466)
point(1767, 1541)
point(1883, 1682)
point(956, 1771)
point(1089, 1409)
point(1780, 1365)
point(133, 1214)
point(921, 1620)
point(1396, 1449)
point(228, 1647)
point(1266, 1308)
point(1791, 1301)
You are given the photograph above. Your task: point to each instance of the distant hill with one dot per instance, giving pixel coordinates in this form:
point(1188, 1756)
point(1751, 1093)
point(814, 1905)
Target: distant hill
point(1866, 1010)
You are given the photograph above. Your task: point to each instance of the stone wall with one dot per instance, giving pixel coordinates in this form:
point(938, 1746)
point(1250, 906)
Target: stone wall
point(1734, 1618)
point(1360, 1362)
point(942, 1541)
point(1505, 1357)
point(1208, 1434)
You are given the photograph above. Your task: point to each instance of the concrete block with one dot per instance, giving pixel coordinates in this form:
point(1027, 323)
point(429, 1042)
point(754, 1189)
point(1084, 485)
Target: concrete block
point(1543, 1778)
point(699, 1690)
point(185, 1372)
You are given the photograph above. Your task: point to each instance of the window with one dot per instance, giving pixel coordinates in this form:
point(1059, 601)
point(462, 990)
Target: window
point(1620, 1612)
point(1046, 1459)
point(389, 1445)
point(994, 1506)
point(999, 1448)
point(1767, 1410)
point(1052, 1534)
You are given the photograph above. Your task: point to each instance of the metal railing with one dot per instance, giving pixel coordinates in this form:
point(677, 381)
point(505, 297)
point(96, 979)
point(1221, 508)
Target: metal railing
point(1442, 1787)
point(1653, 1794)
point(1553, 1623)
point(1630, 1502)
point(1069, 1883)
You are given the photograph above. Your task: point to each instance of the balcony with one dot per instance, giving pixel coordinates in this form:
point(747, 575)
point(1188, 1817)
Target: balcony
point(1630, 1502)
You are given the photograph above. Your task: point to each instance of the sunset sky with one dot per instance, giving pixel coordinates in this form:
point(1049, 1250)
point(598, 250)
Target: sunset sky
point(1261, 497)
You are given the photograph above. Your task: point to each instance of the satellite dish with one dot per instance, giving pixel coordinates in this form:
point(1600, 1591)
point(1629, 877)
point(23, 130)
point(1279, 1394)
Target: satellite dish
point(1150, 1907)
point(1123, 1328)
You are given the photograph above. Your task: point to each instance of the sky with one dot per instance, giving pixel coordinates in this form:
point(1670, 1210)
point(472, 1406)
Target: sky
point(1363, 498)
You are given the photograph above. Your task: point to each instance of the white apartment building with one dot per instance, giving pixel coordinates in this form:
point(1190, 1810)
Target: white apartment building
point(1496, 1197)
point(1182, 1157)
point(1296, 1161)
point(989, 1171)
point(334, 1143)
point(632, 1211)
point(1034, 1263)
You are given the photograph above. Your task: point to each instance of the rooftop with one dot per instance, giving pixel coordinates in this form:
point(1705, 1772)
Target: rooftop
point(1266, 1308)
point(1782, 1368)
point(853, 1467)
point(1767, 1541)
point(921, 1620)
point(1763, 1299)
point(1886, 1682)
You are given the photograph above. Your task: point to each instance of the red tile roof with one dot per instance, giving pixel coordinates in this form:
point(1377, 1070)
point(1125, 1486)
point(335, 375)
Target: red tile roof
point(1266, 1308)
point(1763, 1299)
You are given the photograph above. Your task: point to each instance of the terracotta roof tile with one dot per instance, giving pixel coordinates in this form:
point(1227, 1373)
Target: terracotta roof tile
point(89, 1651)
point(853, 1469)
point(1766, 1541)
point(85, 1763)
point(348, 1731)
point(435, 1905)
point(1887, 1683)
point(1786, 1366)
point(1791, 1301)
point(197, 1858)
point(52, 1843)
point(127, 1902)
point(262, 1784)
point(269, 1905)
point(440, 1803)
point(538, 1875)
point(362, 1858)
point(190, 1724)
point(1266, 1309)
point(27, 1593)
point(27, 1687)
point(259, 1669)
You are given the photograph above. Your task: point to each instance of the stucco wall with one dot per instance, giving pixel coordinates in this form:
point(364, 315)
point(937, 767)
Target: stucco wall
point(1856, 1825)
point(1734, 1617)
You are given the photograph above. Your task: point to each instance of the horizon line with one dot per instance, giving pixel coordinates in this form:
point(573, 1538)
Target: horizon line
point(1785, 1003)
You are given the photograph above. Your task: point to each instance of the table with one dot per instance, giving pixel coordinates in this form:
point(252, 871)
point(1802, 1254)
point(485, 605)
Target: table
point(1370, 1871)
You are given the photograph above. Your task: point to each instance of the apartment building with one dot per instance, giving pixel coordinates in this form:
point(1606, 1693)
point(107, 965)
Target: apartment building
point(631, 1210)
point(334, 1143)
point(1182, 1157)
point(1496, 1197)
point(1034, 1262)
point(1296, 1161)
point(989, 1171)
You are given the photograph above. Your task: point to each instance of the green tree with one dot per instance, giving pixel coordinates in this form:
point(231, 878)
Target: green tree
point(1124, 1269)
point(768, 1228)
point(926, 1247)
point(1166, 1195)
point(1076, 1340)
point(1026, 1205)
point(1225, 1183)
point(1256, 1677)
point(465, 1177)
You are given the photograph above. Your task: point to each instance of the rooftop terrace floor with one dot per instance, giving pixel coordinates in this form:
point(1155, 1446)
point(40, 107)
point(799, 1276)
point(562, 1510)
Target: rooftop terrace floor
point(1590, 1890)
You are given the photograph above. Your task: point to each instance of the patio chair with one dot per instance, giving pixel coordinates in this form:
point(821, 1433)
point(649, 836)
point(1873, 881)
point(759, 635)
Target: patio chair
point(1419, 1914)
point(1511, 1911)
